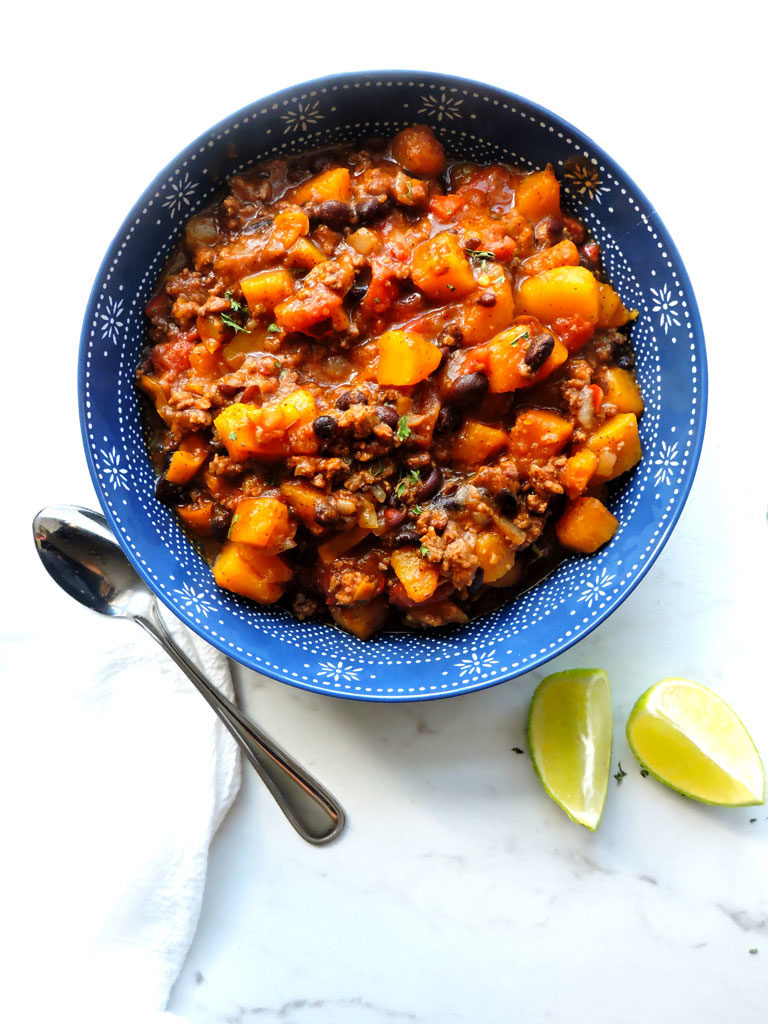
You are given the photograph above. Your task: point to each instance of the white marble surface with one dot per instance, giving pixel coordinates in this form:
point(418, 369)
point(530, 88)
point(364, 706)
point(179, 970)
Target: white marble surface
point(459, 892)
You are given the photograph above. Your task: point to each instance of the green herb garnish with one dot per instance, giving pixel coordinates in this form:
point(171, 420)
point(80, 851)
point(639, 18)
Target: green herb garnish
point(232, 435)
point(480, 254)
point(235, 517)
point(451, 287)
point(229, 322)
point(377, 467)
point(403, 430)
point(619, 775)
point(525, 337)
point(236, 306)
point(273, 329)
point(400, 489)
point(416, 510)
point(408, 190)
point(423, 552)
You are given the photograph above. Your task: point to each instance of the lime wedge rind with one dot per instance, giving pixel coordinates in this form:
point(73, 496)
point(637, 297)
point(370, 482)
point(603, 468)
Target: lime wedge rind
point(654, 704)
point(570, 737)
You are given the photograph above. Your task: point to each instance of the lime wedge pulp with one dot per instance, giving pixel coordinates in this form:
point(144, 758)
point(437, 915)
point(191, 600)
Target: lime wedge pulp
point(569, 736)
point(689, 739)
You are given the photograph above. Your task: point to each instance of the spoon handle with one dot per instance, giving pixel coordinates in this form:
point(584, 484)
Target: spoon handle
point(309, 807)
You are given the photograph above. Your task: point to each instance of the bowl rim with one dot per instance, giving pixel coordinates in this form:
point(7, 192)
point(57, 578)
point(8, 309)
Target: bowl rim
point(447, 81)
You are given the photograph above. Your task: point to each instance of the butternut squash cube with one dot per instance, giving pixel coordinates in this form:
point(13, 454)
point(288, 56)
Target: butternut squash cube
point(617, 446)
point(197, 516)
point(305, 254)
point(363, 620)
point(563, 254)
point(585, 525)
point(237, 431)
point(612, 311)
point(341, 543)
point(418, 576)
point(251, 573)
point(538, 195)
point(505, 359)
point(537, 435)
point(440, 268)
point(620, 389)
point(305, 501)
point(561, 292)
point(478, 323)
point(577, 472)
point(265, 290)
point(496, 557)
point(264, 523)
point(405, 358)
point(476, 441)
point(191, 454)
point(333, 184)
point(417, 151)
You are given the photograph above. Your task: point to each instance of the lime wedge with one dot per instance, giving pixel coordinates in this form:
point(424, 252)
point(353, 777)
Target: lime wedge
point(689, 739)
point(569, 735)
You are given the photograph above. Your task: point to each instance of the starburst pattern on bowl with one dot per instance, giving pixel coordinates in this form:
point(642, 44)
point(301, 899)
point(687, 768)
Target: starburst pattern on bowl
point(116, 474)
point(110, 317)
point(336, 670)
point(301, 117)
point(476, 663)
point(665, 305)
point(180, 195)
point(191, 599)
point(595, 590)
point(584, 180)
point(667, 461)
point(440, 105)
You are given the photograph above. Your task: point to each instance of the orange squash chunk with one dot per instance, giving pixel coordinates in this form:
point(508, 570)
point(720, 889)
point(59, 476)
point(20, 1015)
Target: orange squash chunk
point(538, 195)
point(263, 522)
point(333, 184)
point(418, 576)
point(265, 290)
point(577, 472)
point(537, 435)
point(251, 573)
point(561, 292)
point(405, 358)
point(476, 441)
point(585, 525)
point(440, 268)
point(617, 446)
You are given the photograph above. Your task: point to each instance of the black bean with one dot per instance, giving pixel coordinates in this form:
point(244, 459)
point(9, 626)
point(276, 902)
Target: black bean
point(326, 513)
point(221, 519)
point(550, 230)
point(332, 212)
point(477, 582)
point(344, 401)
point(170, 494)
point(388, 414)
point(325, 427)
point(507, 501)
point(358, 291)
point(448, 420)
point(405, 536)
point(468, 389)
point(486, 299)
point(538, 352)
point(450, 336)
point(370, 207)
point(430, 487)
point(623, 356)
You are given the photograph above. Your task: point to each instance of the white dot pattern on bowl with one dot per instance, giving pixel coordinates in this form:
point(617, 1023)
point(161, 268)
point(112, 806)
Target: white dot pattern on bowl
point(543, 621)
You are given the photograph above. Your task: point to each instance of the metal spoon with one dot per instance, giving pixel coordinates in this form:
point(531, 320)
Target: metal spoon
point(81, 554)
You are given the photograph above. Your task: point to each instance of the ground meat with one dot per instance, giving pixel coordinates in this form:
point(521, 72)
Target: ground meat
point(286, 301)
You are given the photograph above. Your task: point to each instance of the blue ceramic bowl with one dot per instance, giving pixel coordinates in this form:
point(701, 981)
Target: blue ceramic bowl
point(476, 122)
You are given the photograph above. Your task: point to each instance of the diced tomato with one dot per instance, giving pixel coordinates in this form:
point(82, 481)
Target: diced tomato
point(446, 207)
point(573, 331)
point(157, 305)
point(597, 396)
point(174, 353)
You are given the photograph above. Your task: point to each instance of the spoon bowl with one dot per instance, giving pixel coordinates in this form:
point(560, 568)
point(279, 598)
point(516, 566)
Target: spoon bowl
point(79, 551)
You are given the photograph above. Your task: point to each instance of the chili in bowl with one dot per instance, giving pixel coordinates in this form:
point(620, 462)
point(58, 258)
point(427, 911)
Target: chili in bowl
point(415, 359)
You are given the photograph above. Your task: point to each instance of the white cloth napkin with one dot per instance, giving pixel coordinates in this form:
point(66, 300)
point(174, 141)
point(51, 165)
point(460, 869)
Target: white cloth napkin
point(130, 776)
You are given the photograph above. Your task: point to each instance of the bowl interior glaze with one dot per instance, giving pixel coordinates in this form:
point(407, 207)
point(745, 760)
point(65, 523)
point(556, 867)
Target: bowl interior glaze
point(476, 122)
